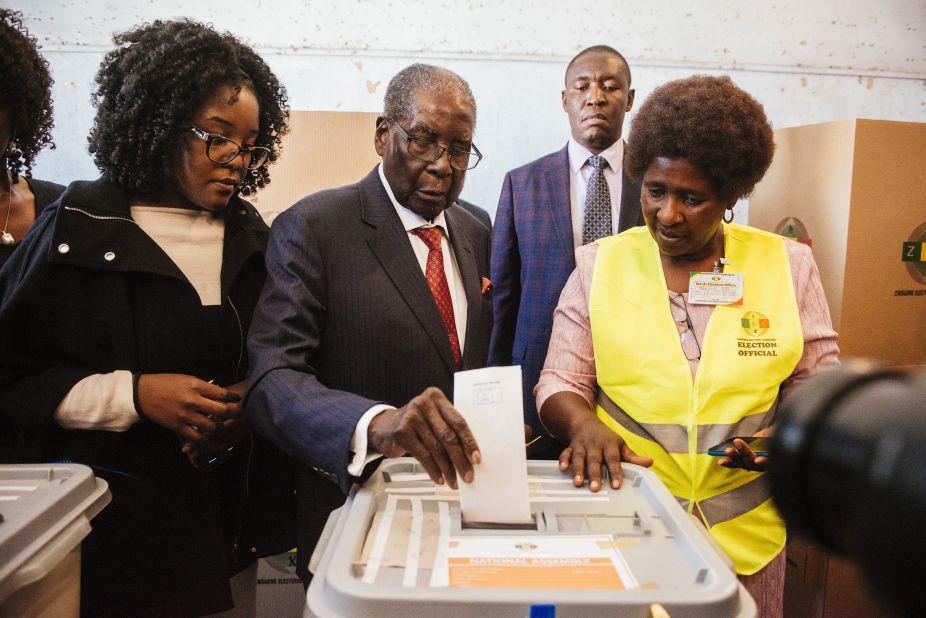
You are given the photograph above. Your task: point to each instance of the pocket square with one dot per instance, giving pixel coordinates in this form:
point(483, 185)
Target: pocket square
point(486, 286)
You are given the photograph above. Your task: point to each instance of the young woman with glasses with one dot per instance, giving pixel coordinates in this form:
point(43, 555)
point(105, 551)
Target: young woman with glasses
point(124, 340)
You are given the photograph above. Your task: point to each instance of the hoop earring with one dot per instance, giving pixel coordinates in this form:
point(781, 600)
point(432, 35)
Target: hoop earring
point(730, 220)
point(13, 162)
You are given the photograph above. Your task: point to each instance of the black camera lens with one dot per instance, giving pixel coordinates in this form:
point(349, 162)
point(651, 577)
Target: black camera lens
point(848, 469)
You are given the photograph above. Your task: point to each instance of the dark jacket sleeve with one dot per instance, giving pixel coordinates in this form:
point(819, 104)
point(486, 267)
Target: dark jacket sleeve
point(286, 402)
point(35, 374)
point(506, 278)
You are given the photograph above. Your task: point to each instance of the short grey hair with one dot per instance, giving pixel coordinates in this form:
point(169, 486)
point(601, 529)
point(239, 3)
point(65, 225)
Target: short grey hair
point(398, 101)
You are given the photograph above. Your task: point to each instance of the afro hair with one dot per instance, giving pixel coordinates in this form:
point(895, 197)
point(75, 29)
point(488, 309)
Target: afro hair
point(709, 122)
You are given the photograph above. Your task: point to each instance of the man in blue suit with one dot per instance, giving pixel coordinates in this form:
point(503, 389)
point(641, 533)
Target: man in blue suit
point(551, 206)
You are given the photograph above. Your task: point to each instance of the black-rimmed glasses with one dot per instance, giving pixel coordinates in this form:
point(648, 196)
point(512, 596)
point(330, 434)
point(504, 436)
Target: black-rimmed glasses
point(429, 150)
point(223, 151)
point(686, 335)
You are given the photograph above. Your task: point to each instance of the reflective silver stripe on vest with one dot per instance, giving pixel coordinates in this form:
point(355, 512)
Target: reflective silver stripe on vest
point(731, 504)
point(670, 436)
point(709, 435)
point(674, 438)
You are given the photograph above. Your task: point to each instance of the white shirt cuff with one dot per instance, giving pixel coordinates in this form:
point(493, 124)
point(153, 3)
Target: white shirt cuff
point(358, 441)
point(102, 401)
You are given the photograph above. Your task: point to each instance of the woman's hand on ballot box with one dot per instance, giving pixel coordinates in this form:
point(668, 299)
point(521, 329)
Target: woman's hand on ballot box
point(591, 443)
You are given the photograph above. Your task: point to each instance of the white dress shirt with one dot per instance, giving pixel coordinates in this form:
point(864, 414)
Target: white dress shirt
point(412, 221)
point(579, 173)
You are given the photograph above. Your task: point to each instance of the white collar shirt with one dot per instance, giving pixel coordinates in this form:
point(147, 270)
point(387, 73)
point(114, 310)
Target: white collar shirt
point(412, 221)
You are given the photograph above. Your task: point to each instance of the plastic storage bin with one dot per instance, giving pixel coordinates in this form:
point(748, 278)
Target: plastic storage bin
point(46, 512)
point(393, 550)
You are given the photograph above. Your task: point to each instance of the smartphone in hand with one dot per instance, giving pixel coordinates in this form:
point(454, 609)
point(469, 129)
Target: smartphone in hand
point(759, 445)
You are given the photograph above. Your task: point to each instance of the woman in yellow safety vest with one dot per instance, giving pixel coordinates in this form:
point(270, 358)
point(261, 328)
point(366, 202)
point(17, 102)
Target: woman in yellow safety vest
point(673, 337)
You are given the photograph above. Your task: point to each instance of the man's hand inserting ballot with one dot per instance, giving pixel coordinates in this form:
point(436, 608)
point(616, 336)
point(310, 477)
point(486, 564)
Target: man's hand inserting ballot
point(431, 430)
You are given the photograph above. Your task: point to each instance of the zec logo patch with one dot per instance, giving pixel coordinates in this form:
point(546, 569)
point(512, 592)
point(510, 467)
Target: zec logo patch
point(525, 545)
point(914, 254)
point(754, 323)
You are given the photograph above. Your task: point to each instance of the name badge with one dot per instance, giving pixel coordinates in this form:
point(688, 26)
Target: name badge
point(715, 288)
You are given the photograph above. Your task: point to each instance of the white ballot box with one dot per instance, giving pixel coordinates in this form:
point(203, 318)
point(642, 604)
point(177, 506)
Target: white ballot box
point(399, 548)
point(46, 511)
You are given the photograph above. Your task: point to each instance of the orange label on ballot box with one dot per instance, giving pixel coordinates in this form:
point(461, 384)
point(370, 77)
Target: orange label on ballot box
point(572, 574)
point(565, 563)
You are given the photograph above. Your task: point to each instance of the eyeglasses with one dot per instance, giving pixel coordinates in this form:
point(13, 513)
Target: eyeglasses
point(686, 334)
point(429, 150)
point(222, 150)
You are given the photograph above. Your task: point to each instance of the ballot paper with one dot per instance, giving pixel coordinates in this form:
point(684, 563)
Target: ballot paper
point(490, 401)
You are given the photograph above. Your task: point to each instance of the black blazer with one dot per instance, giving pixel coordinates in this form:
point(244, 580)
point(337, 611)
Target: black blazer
point(91, 293)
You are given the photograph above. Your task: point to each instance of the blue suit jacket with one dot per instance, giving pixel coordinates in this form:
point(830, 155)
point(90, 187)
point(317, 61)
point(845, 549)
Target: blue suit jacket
point(532, 257)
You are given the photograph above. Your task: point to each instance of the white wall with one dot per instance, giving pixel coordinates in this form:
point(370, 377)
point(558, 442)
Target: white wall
point(807, 61)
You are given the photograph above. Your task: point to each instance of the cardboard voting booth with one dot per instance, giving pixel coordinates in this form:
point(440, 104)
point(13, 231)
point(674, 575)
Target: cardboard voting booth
point(45, 513)
point(854, 190)
point(399, 548)
point(322, 150)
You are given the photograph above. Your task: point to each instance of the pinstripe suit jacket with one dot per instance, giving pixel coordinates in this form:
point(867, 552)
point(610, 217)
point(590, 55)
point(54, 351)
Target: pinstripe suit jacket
point(532, 257)
point(346, 320)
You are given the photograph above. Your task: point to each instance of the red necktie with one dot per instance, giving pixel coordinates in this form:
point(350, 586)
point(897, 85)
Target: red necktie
point(437, 281)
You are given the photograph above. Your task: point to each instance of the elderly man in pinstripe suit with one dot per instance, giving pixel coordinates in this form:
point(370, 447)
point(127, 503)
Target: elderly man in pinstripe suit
point(376, 293)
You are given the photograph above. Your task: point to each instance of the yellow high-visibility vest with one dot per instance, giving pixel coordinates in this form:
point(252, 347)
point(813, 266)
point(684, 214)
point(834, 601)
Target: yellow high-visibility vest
point(648, 395)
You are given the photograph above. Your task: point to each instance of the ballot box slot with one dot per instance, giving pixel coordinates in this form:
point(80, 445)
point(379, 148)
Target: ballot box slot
point(486, 525)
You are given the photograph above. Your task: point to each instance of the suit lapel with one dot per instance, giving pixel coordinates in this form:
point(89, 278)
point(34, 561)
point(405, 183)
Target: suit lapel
point(557, 186)
point(390, 244)
point(469, 273)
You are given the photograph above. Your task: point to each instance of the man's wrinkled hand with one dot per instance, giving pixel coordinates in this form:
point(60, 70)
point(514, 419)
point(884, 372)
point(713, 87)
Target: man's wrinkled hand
point(431, 430)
